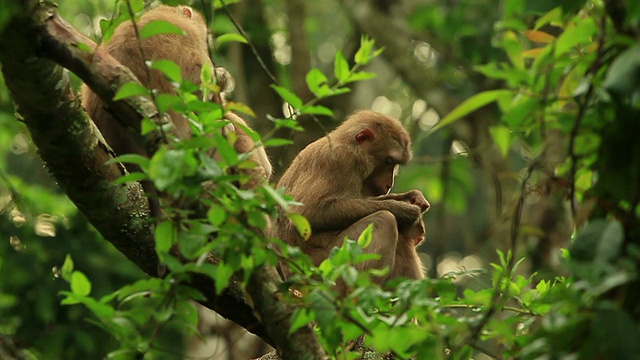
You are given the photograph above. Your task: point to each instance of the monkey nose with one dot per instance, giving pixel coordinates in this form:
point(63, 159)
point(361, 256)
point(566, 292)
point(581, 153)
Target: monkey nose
point(425, 206)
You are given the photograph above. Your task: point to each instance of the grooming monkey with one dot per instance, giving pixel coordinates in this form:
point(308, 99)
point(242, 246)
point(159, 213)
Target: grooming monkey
point(343, 181)
point(190, 53)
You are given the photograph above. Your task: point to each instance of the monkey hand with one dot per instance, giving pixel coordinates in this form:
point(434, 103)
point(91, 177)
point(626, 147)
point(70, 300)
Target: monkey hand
point(224, 79)
point(416, 232)
point(417, 198)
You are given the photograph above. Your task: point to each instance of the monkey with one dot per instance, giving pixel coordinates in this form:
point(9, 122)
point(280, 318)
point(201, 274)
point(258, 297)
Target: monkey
point(190, 52)
point(343, 182)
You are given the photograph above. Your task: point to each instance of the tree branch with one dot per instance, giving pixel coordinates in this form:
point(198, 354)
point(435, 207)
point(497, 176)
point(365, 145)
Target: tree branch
point(71, 147)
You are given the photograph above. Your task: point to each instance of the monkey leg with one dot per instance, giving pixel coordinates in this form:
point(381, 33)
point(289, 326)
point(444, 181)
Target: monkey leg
point(383, 243)
point(408, 263)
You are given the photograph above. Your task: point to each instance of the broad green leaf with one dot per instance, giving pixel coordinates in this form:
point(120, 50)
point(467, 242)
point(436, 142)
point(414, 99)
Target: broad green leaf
point(288, 96)
point(167, 102)
point(222, 276)
point(581, 34)
point(147, 126)
point(301, 224)
point(341, 68)
point(129, 90)
point(471, 104)
point(553, 17)
point(164, 237)
point(520, 111)
point(230, 37)
point(225, 149)
point(623, 76)
point(159, 27)
point(191, 244)
point(80, 284)
point(512, 46)
point(318, 83)
point(170, 69)
point(301, 317)
point(240, 107)
point(502, 137)
point(216, 215)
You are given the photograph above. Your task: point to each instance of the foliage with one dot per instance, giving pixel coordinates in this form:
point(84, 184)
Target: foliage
point(561, 68)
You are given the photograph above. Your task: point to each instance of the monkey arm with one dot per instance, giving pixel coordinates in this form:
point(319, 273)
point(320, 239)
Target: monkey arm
point(338, 214)
point(414, 197)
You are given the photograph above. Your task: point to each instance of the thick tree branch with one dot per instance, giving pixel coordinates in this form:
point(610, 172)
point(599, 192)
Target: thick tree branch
point(70, 145)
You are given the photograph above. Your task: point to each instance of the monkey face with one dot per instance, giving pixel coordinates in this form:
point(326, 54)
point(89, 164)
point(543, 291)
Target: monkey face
point(381, 180)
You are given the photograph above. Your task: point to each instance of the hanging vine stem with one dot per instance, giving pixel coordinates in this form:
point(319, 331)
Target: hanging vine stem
point(580, 116)
point(237, 25)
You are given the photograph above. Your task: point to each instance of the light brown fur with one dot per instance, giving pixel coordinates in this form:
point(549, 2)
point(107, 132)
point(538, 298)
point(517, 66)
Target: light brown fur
point(190, 53)
point(343, 181)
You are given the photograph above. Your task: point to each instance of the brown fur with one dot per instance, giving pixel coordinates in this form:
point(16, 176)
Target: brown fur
point(190, 53)
point(343, 180)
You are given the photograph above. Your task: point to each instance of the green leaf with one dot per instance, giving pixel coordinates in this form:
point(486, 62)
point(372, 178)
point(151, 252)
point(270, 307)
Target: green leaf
point(341, 68)
point(216, 215)
point(300, 317)
point(277, 142)
point(502, 137)
point(80, 284)
point(316, 110)
point(230, 37)
point(240, 107)
point(84, 47)
point(623, 76)
point(471, 104)
point(318, 83)
point(361, 76)
point(159, 27)
point(167, 102)
point(129, 90)
point(366, 236)
point(581, 34)
point(67, 268)
point(302, 225)
point(132, 177)
point(288, 96)
point(141, 161)
point(147, 126)
point(363, 55)
point(275, 195)
point(170, 69)
point(164, 237)
point(222, 276)
point(225, 149)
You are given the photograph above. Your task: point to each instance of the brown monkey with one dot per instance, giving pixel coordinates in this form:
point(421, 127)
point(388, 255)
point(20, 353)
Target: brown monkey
point(343, 182)
point(190, 53)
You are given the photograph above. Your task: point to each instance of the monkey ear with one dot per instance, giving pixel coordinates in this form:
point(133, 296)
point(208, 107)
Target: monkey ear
point(364, 135)
point(187, 12)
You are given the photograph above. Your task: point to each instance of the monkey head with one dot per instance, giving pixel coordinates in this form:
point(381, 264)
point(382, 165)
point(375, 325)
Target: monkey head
point(380, 144)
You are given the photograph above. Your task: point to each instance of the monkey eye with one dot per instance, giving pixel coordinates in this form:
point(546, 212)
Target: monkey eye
point(390, 161)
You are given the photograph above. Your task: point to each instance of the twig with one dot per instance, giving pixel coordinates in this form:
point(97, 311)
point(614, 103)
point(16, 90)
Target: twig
point(250, 43)
point(580, 116)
